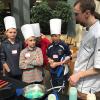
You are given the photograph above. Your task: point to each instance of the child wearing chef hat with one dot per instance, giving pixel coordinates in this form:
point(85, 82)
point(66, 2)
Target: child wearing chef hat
point(58, 54)
point(42, 42)
point(10, 50)
point(31, 57)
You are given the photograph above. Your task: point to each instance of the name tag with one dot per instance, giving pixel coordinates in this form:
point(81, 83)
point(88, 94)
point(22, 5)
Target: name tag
point(14, 51)
point(55, 56)
point(27, 55)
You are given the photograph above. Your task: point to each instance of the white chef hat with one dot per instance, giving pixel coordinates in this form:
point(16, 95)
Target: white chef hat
point(27, 31)
point(9, 22)
point(36, 29)
point(55, 26)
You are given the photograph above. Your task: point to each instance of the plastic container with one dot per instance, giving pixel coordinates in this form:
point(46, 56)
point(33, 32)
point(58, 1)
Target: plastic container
point(72, 93)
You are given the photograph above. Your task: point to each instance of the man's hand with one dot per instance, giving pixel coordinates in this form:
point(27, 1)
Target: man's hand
point(73, 79)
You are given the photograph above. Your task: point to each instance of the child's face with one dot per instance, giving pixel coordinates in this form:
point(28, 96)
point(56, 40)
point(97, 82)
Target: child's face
point(31, 42)
point(11, 33)
point(55, 37)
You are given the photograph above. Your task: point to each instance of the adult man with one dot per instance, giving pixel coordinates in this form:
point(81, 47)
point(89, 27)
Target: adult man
point(86, 75)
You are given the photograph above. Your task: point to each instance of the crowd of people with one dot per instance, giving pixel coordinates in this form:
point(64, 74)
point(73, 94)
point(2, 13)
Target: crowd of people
point(28, 64)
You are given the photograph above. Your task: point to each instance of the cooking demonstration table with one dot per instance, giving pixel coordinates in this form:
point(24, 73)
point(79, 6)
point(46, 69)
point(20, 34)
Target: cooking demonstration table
point(16, 84)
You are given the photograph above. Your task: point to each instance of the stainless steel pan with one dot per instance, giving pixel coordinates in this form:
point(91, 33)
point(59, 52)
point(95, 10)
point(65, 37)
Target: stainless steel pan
point(36, 91)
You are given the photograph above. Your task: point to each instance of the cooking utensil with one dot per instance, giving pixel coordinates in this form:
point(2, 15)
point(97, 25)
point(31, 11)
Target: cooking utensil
point(36, 91)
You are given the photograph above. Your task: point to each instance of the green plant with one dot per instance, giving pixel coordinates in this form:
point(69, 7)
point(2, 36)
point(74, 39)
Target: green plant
point(63, 11)
point(42, 13)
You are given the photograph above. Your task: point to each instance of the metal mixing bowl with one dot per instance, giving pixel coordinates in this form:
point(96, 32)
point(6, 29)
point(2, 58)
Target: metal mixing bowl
point(34, 91)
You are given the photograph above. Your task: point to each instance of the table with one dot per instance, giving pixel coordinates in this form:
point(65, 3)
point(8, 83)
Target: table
point(20, 84)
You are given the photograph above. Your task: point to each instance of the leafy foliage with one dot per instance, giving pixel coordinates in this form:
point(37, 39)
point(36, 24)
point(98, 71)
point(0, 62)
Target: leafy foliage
point(42, 13)
point(62, 10)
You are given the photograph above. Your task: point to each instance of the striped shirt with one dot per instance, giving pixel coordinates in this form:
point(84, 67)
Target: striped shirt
point(30, 62)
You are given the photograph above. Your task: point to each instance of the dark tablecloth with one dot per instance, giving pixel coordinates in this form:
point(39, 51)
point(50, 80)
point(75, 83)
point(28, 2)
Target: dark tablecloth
point(18, 85)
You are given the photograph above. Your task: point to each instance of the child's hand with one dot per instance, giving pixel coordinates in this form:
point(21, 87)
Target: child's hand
point(6, 67)
point(53, 65)
point(50, 60)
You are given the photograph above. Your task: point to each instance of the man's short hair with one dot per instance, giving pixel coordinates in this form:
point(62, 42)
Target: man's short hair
point(86, 5)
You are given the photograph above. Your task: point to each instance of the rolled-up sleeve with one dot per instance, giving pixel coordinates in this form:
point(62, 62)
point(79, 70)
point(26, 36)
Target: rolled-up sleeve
point(97, 54)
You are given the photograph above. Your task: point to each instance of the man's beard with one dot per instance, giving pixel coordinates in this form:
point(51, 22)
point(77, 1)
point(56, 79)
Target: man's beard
point(83, 24)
